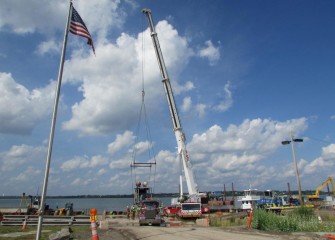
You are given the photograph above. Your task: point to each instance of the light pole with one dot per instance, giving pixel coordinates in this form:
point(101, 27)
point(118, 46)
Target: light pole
point(295, 162)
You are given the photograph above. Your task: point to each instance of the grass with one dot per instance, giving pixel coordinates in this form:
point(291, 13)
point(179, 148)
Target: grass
point(76, 232)
point(301, 219)
point(221, 220)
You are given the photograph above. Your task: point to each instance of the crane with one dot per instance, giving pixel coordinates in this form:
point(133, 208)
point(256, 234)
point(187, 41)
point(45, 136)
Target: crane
point(193, 193)
point(319, 188)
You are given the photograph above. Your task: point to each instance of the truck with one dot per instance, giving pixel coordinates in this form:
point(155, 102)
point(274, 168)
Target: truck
point(189, 210)
point(150, 213)
point(147, 208)
point(187, 205)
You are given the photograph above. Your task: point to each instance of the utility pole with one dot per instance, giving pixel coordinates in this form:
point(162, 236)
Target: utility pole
point(295, 163)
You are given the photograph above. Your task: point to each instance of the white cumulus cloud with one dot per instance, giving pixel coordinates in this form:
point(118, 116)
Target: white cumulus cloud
point(325, 161)
point(79, 162)
point(121, 141)
point(50, 46)
point(104, 107)
point(20, 108)
point(211, 52)
point(228, 99)
point(18, 155)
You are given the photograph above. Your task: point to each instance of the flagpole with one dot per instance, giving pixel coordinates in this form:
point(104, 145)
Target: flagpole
point(52, 130)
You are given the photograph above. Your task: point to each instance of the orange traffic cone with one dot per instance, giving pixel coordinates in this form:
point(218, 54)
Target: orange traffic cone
point(24, 224)
point(250, 219)
point(94, 230)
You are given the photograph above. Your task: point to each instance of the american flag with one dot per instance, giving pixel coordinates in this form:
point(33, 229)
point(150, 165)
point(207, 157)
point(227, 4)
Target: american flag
point(78, 27)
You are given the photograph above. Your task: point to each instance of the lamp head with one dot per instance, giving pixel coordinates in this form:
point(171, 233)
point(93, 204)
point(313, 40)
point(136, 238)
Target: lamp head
point(285, 142)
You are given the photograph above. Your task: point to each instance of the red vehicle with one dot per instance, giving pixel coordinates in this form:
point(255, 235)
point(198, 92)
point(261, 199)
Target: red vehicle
point(170, 211)
point(189, 210)
point(186, 210)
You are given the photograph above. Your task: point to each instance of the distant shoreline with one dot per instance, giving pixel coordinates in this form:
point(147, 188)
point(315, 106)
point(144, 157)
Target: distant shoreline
point(95, 196)
point(228, 194)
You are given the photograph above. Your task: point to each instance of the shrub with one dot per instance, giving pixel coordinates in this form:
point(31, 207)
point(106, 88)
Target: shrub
point(300, 219)
point(304, 212)
point(264, 220)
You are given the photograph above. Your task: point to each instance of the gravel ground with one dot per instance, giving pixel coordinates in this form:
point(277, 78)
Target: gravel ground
point(127, 229)
point(124, 229)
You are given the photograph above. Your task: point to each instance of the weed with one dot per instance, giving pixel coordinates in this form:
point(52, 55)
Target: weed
point(301, 219)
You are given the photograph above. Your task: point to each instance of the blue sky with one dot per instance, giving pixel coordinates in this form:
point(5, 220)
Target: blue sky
point(244, 75)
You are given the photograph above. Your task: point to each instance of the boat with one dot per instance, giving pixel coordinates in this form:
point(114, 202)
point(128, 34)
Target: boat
point(219, 201)
point(249, 199)
point(36, 202)
point(268, 199)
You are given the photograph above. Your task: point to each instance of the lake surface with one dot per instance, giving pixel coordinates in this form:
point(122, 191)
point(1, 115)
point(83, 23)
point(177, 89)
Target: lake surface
point(101, 204)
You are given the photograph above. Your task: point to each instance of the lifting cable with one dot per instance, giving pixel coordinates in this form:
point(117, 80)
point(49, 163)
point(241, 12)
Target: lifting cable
point(143, 117)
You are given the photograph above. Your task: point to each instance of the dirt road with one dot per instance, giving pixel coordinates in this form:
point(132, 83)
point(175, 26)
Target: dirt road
point(124, 229)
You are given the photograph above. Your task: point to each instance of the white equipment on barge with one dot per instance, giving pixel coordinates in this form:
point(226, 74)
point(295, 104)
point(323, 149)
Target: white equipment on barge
point(249, 199)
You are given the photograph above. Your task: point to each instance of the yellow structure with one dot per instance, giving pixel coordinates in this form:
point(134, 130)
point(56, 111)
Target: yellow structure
point(319, 188)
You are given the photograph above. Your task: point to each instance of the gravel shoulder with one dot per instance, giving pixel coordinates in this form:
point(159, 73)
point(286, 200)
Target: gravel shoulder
point(127, 229)
point(124, 229)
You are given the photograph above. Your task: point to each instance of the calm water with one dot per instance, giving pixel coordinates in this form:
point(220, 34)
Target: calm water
point(101, 204)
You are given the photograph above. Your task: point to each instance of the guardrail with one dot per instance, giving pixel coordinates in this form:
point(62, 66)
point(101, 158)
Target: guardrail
point(16, 220)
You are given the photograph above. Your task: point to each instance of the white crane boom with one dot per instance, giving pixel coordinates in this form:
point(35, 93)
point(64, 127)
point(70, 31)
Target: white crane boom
point(180, 136)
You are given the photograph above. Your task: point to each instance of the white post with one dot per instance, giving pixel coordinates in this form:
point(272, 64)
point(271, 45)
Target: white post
point(296, 170)
point(52, 130)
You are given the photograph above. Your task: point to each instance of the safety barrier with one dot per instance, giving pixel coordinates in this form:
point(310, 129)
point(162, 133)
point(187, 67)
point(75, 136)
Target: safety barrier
point(32, 220)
